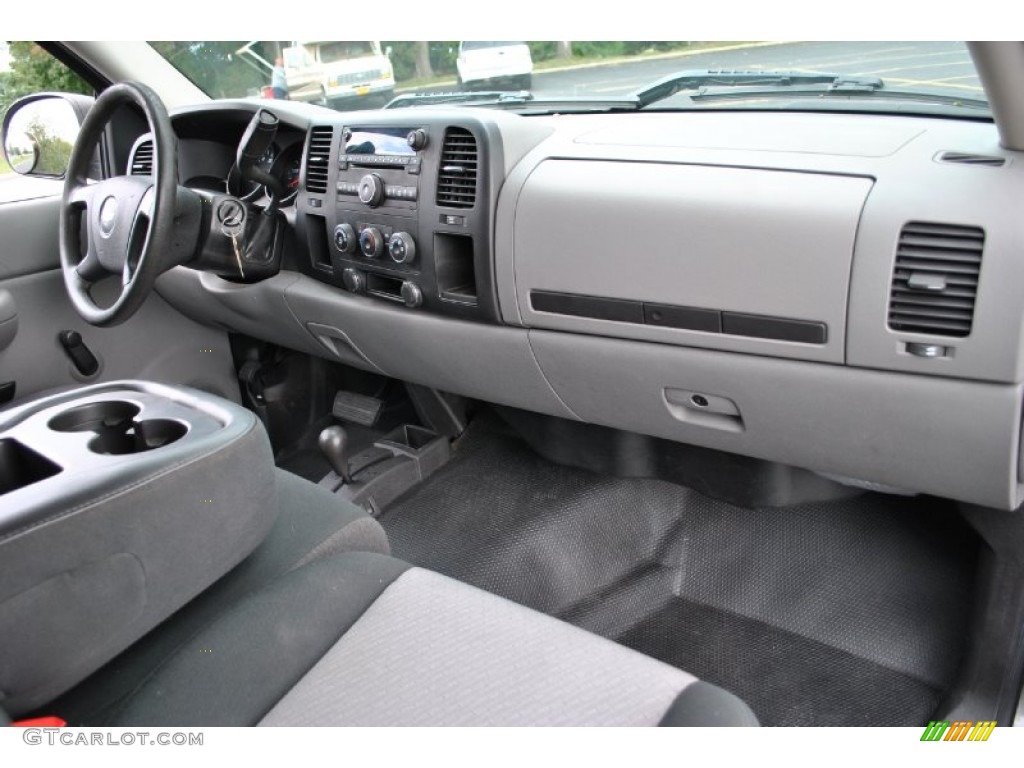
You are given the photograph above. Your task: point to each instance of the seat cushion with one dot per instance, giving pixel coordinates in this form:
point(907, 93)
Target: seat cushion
point(311, 523)
point(364, 639)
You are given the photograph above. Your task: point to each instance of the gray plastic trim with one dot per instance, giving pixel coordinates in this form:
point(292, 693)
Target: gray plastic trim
point(157, 343)
point(488, 362)
point(756, 242)
point(946, 437)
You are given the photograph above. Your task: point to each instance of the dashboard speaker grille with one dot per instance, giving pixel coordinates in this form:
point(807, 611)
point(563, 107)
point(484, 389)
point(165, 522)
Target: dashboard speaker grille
point(318, 159)
point(966, 158)
point(935, 279)
point(456, 180)
point(141, 163)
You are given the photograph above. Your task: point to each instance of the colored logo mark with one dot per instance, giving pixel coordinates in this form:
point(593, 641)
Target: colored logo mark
point(958, 730)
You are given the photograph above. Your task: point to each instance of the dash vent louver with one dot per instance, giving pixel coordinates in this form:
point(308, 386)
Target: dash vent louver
point(456, 179)
point(968, 158)
point(318, 159)
point(142, 159)
point(935, 279)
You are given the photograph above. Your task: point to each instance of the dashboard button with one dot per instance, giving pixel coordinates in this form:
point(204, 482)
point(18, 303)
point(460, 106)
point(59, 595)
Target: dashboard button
point(371, 190)
point(354, 280)
point(371, 242)
point(345, 238)
point(402, 248)
point(411, 294)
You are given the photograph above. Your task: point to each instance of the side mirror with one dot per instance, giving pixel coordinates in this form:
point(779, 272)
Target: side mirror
point(388, 51)
point(40, 130)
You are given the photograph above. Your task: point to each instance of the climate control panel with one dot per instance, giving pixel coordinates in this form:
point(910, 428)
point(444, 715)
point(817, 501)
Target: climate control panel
point(405, 212)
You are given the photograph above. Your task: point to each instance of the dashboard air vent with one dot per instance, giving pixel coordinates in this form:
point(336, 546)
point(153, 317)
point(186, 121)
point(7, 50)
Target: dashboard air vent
point(967, 158)
point(318, 159)
point(935, 280)
point(141, 163)
point(456, 179)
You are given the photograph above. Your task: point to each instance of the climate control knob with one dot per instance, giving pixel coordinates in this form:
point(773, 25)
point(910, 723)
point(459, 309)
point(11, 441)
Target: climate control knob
point(354, 280)
point(345, 238)
point(402, 248)
point(411, 294)
point(371, 242)
point(371, 190)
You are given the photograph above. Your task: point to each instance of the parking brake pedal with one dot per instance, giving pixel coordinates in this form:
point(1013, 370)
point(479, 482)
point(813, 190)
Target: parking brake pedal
point(357, 409)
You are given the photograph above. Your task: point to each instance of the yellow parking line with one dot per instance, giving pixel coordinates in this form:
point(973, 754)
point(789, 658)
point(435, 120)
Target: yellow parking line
point(935, 83)
point(919, 66)
point(869, 59)
point(955, 77)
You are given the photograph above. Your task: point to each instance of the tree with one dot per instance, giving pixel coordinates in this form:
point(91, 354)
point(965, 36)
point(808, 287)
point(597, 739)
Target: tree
point(563, 50)
point(34, 70)
point(423, 68)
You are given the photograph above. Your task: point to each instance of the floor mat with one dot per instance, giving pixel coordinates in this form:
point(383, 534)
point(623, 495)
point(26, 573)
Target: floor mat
point(838, 613)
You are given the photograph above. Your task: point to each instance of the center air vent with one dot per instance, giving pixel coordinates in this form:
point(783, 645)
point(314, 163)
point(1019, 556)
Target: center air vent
point(141, 163)
point(318, 159)
point(456, 180)
point(935, 280)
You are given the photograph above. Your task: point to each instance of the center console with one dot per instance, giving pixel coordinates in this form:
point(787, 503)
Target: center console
point(119, 503)
point(398, 210)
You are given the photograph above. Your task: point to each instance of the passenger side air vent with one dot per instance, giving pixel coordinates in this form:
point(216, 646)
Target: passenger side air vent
point(935, 280)
point(456, 180)
point(966, 158)
point(141, 163)
point(318, 158)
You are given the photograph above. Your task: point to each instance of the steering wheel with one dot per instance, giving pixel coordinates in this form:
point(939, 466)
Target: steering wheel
point(125, 224)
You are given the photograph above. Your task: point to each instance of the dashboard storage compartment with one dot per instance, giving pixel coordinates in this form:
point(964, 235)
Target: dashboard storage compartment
point(120, 503)
point(738, 259)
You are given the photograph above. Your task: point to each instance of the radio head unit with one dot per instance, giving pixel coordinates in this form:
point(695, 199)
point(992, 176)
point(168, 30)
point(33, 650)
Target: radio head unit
point(382, 147)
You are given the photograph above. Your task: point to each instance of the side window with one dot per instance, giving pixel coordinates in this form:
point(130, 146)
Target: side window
point(26, 68)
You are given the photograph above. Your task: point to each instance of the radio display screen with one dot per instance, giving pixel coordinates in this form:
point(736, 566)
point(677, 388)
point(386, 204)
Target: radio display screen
point(378, 141)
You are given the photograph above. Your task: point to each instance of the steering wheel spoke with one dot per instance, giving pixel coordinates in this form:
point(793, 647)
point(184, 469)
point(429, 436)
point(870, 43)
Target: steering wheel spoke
point(80, 195)
point(89, 268)
point(125, 224)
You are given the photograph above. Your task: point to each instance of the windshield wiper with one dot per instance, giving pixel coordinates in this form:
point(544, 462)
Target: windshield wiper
point(458, 97)
point(520, 101)
point(778, 81)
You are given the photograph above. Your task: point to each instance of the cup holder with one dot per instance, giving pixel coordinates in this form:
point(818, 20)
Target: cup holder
point(138, 437)
point(95, 417)
point(117, 431)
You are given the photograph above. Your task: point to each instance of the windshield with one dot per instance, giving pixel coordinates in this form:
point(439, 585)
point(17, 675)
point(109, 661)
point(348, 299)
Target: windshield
point(912, 76)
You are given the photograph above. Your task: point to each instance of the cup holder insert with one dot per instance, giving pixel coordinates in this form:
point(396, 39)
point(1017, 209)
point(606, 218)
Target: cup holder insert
point(117, 431)
point(138, 437)
point(95, 417)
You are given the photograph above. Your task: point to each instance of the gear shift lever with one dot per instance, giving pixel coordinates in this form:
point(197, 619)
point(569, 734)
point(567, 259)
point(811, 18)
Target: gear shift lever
point(334, 444)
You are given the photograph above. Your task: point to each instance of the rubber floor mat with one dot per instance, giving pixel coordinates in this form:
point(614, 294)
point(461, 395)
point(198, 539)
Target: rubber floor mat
point(839, 613)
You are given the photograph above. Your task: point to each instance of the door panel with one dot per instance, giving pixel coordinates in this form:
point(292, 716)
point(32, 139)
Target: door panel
point(157, 343)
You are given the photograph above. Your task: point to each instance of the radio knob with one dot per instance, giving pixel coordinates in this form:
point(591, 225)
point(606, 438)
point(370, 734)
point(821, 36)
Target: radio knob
point(371, 190)
point(345, 238)
point(402, 248)
point(371, 242)
point(417, 139)
point(354, 280)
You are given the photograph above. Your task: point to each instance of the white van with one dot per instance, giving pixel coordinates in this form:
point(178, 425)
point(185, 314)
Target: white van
point(483, 63)
point(338, 72)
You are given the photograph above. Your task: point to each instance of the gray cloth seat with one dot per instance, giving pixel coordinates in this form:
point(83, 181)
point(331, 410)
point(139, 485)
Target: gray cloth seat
point(364, 639)
point(311, 523)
